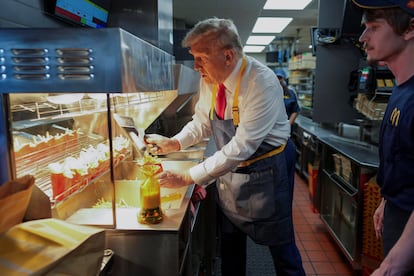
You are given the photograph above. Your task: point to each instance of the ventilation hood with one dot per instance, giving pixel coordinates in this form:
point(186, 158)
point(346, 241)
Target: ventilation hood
point(109, 60)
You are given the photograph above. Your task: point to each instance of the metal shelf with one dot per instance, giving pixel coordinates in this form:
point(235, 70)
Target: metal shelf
point(45, 109)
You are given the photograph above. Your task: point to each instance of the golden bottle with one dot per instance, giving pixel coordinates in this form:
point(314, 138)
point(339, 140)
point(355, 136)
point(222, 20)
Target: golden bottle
point(150, 199)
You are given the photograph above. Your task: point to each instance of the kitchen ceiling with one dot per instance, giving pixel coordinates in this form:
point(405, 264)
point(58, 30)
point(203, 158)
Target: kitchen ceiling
point(244, 14)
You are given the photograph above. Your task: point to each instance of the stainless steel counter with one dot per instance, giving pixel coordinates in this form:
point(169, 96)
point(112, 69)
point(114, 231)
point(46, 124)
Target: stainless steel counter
point(312, 127)
point(160, 249)
point(339, 199)
point(144, 249)
point(362, 153)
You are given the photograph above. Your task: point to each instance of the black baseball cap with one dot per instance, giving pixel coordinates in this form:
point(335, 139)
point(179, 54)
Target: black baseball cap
point(406, 5)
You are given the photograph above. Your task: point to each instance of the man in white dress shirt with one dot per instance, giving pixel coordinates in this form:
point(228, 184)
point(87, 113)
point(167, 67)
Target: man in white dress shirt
point(254, 161)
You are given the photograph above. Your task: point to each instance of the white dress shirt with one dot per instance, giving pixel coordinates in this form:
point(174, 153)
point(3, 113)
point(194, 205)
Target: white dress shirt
point(262, 118)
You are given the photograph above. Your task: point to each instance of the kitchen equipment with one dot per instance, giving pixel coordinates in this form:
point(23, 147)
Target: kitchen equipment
point(136, 134)
point(125, 75)
point(341, 191)
point(350, 131)
point(109, 60)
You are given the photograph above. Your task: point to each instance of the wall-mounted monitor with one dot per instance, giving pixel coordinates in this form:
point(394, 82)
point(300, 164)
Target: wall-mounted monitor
point(90, 13)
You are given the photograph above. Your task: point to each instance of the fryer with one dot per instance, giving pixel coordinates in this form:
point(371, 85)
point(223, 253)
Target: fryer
point(59, 92)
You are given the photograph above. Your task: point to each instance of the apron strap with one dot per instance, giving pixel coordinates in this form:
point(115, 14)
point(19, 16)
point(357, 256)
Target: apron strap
point(263, 156)
point(213, 101)
point(235, 107)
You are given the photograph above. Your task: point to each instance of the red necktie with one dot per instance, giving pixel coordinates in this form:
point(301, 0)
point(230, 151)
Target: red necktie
point(221, 101)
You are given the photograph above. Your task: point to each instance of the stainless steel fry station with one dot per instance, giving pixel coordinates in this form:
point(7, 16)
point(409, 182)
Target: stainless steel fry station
point(60, 91)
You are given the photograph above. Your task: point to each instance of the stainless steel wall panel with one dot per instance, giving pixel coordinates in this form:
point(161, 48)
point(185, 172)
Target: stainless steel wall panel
point(82, 60)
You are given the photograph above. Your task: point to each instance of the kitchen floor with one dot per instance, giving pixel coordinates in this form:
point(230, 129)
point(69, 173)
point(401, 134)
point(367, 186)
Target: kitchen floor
point(320, 254)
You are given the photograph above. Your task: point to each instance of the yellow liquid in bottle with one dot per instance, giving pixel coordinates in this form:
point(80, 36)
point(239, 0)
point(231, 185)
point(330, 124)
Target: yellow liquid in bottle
point(150, 202)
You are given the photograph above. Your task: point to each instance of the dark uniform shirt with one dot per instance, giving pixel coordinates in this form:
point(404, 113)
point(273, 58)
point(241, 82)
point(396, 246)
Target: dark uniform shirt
point(291, 103)
point(396, 152)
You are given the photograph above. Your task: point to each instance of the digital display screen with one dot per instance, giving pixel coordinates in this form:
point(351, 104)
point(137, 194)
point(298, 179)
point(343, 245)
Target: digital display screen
point(84, 12)
point(364, 79)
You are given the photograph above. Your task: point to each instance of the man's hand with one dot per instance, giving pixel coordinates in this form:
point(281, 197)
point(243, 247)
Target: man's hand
point(168, 179)
point(379, 219)
point(158, 144)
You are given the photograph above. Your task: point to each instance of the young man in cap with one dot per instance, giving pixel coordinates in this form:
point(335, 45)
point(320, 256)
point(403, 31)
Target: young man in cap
point(389, 37)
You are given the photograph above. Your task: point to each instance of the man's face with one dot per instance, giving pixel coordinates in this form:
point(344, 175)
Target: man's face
point(381, 43)
point(209, 61)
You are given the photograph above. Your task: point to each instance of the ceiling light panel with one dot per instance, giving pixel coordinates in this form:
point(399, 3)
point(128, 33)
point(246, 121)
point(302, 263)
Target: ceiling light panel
point(271, 24)
point(253, 49)
point(286, 5)
point(260, 39)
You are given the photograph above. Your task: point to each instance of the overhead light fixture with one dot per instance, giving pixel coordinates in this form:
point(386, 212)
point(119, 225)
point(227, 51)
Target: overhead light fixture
point(286, 5)
point(271, 24)
point(253, 49)
point(260, 39)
